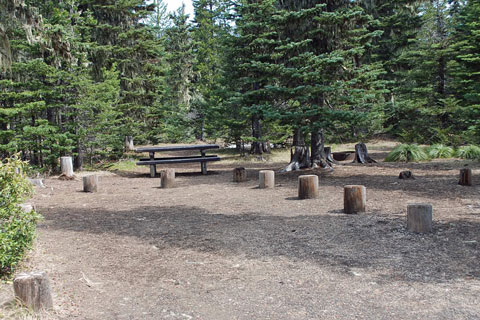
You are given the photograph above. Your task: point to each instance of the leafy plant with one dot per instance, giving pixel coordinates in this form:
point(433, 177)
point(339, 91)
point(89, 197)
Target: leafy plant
point(407, 153)
point(440, 151)
point(17, 226)
point(469, 152)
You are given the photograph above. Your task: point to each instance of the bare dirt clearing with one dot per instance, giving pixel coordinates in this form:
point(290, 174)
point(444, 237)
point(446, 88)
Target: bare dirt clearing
point(214, 249)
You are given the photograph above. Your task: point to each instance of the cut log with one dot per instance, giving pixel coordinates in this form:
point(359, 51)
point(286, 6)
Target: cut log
point(239, 174)
point(361, 154)
point(465, 177)
point(129, 143)
point(167, 178)
point(90, 183)
point(354, 199)
point(308, 187)
point(419, 217)
point(406, 175)
point(266, 179)
point(33, 290)
point(66, 167)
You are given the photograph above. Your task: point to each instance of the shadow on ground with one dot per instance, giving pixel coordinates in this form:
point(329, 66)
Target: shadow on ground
point(374, 242)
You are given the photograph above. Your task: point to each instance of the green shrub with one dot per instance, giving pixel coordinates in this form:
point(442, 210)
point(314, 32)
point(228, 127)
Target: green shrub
point(469, 152)
point(406, 153)
point(440, 151)
point(17, 227)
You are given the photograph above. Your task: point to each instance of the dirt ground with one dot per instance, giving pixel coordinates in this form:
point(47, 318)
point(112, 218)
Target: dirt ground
point(214, 249)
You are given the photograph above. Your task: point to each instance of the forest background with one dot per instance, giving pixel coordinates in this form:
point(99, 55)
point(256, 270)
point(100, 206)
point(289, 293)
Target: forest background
point(77, 76)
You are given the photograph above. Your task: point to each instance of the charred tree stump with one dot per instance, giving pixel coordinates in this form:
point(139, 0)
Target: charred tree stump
point(328, 154)
point(239, 174)
point(167, 178)
point(129, 143)
point(406, 175)
point(33, 290)
point(308, 187)
point(90, 183)
point(266, 179)
point(465, 177)
point(301, 158)
point(361, 154)
point(354, 199)
point(66, 167)
point(419, 217)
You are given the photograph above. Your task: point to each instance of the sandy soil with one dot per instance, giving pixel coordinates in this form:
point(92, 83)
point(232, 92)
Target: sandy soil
point(214, 249)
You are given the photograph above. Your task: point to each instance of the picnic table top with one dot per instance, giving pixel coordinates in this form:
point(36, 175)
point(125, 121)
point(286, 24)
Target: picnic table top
point(178, 148)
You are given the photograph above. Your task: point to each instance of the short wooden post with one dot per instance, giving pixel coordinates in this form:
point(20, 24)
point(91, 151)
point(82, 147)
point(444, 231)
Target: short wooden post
point(308, 187)
point(33, 290)
point(239, 174)
point(465, 177)
point(90, 183)
point(167, 178)
point(129, 143)
point(66, 166)
point(354, 199)
point(266, 179)
point(419, 217)
point(153, 167)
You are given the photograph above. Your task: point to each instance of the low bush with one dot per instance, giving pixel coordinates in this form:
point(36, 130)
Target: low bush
point(407, 153)
point(469, 152)
point(440, 151)
point(17, 227)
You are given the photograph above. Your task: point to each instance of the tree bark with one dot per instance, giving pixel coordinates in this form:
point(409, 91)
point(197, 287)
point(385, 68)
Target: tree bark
point(465, 177)
point(129, 146)
point(321, 155)
point(308, 187)
point(301, 158)
point(33, 290)
point(354, 199)
point(258, 147)
point(90, 183)
point(167, 178)
point(239, 174)
point(361, 154)
point(66, 167)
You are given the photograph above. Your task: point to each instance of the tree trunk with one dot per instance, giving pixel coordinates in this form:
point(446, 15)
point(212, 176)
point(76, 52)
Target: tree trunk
point(301, 158)
point(129, 146)
point(319, 156)
point(66, 166)
point(361, 154)
point(258, 147)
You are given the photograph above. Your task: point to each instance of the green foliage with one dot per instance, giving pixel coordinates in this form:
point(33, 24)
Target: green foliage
point(17, 227)
point(440, 151)
point(469, 152)
point(406, 153)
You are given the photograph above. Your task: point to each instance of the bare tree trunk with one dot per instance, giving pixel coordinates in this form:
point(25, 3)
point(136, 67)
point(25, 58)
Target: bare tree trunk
point(319, 156)
point(258, 147)
point(301, 157)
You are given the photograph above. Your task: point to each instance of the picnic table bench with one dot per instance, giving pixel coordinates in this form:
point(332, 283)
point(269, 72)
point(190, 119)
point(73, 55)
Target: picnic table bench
point(152, 161)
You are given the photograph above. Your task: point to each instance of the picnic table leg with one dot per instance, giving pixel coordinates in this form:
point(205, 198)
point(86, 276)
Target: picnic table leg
point(153, 167)
point(203, 164)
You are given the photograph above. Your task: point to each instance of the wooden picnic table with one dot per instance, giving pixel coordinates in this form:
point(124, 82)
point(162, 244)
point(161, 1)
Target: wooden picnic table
point(152, 161)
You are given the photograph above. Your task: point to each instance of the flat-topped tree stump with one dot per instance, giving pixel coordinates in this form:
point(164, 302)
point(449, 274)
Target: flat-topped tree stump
point(167, 178)
point(308, 187)
point(406, 175)
point(361, 154)
point(66, 167)
point(129, 143)
point(90, 183)
point(239, 174)
point(354, 199)
point(465, 177)
point(266, 179)
point(33, 290)
point(419, 217)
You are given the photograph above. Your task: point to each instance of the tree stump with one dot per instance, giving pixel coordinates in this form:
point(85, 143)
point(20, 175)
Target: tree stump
point(419, 217)
point(66, 166)
point(167, 178)
point(354, 199)
point(465, 177)
point(361, 154)
point(308, 187)
point(129, 143)
point(90, 183)
point(407, 175)
point(266, 179)
point(33, 290)
point(239, 174)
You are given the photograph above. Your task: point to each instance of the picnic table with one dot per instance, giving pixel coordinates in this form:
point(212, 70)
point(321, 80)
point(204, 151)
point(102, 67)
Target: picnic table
point(152, 161)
